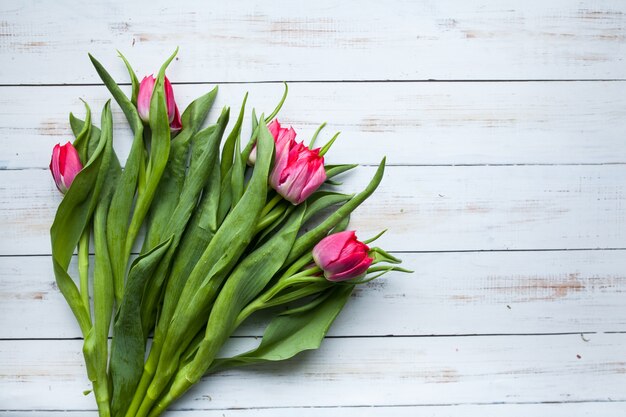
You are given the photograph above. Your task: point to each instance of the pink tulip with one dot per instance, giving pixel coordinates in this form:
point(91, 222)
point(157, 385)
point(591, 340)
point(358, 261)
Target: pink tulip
point(341, 256)
point(65, 165)
point(298, 171)
point(280, 134)
point(145, 95)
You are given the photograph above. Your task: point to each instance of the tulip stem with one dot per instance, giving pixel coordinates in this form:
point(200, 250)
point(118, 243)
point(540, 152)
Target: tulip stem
point(270, 205)
point(308, 276)
point(83, 268)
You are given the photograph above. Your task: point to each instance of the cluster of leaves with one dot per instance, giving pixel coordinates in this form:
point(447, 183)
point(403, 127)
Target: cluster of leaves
point(218, 246)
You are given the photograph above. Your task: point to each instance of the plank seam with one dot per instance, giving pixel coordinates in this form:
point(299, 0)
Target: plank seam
point(400, 336)
point(494, 404)
point(378, 81)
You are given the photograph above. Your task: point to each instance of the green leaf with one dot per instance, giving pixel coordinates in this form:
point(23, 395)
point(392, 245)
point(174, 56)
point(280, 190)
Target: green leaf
point(133, 79)
point(71, 219)
point(322, 200)
point(316, 134)
point(229, 145)
point(173, 177)
point(246, 281)
point(288, 335)
point(326, 147)
point(309, 239)
point(196, 113)
point(168, 190)
point(279, 105)
point(103, 294)
point(128, 345)
point(334, 170)
point(200, 169)
point(222, 254)
point(124, 196)
point(159, 154)
point(83, 135)
point(237, 175)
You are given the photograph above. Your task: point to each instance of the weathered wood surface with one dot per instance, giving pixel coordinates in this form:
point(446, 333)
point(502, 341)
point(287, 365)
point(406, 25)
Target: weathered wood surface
point(412, 123)
point(507, 195)
point(449, 294)
point(352, 372)
point(46, 42)
point(580, 409)
point(425, 208)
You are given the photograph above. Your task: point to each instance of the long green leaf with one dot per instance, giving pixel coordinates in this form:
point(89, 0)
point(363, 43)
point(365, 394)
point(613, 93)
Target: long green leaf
point(103, 276)
point(216, 262)
point(71, 219)
point(288, 335)
point(173, 177)
point(246, 281)
point(309, 239)
point(128, 345)
point(199, 172)
point(124, 196)
point(159, 154)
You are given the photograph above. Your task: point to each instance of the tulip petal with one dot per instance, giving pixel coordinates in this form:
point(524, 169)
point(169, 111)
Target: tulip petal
point(329, 248)
point(143, 97)
point(274, 128)
point(71, 164)
point(170, 102)
point(54, 167)
point(176, 125)
point(316, 179)
point(354, 272)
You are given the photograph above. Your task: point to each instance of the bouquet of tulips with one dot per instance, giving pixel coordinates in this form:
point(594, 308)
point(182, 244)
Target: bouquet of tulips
point(225, 231)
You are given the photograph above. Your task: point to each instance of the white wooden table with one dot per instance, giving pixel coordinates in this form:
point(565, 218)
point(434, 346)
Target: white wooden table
point(504, 123)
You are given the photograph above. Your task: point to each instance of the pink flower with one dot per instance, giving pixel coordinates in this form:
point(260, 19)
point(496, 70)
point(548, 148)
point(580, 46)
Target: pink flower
point(298, 171)
point(65, 165)
point(341, 256)
point(145, 95)
point(280, 134)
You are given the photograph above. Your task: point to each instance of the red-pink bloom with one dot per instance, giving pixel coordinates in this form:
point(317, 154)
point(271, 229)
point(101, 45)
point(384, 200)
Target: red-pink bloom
point(145, 95)
point(64, 166)
point(341, 256)
point(298, 171)
point(280, 134)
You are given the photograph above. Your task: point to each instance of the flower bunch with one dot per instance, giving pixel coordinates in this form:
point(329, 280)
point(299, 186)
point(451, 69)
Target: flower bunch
point(229, 231)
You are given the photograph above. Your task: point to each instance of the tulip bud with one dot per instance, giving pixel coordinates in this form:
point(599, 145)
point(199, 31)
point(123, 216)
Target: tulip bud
point(145, 95)
point(298, 171)
point(280, 134)
point(341, 256)
point(65, 165)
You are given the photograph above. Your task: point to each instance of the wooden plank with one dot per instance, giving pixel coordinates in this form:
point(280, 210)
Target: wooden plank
point(586, 409)
point(324, 40)
point(425, 208)
point(449, 293)
point(412, 123)
point(368, 372)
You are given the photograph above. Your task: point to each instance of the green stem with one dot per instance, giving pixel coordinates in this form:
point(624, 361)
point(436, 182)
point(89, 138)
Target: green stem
point(269, 218)
point(83, 268)
point(146, 378)
point(264, 300)
point(270, 204)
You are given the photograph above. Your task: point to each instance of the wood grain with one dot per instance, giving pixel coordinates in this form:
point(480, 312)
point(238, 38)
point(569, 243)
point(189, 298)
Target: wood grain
point(580, 409)
point(449, 294)
point(50, 375)
point(504, 121)
point(411, 123)
point(425, 208)
point(324, 40)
